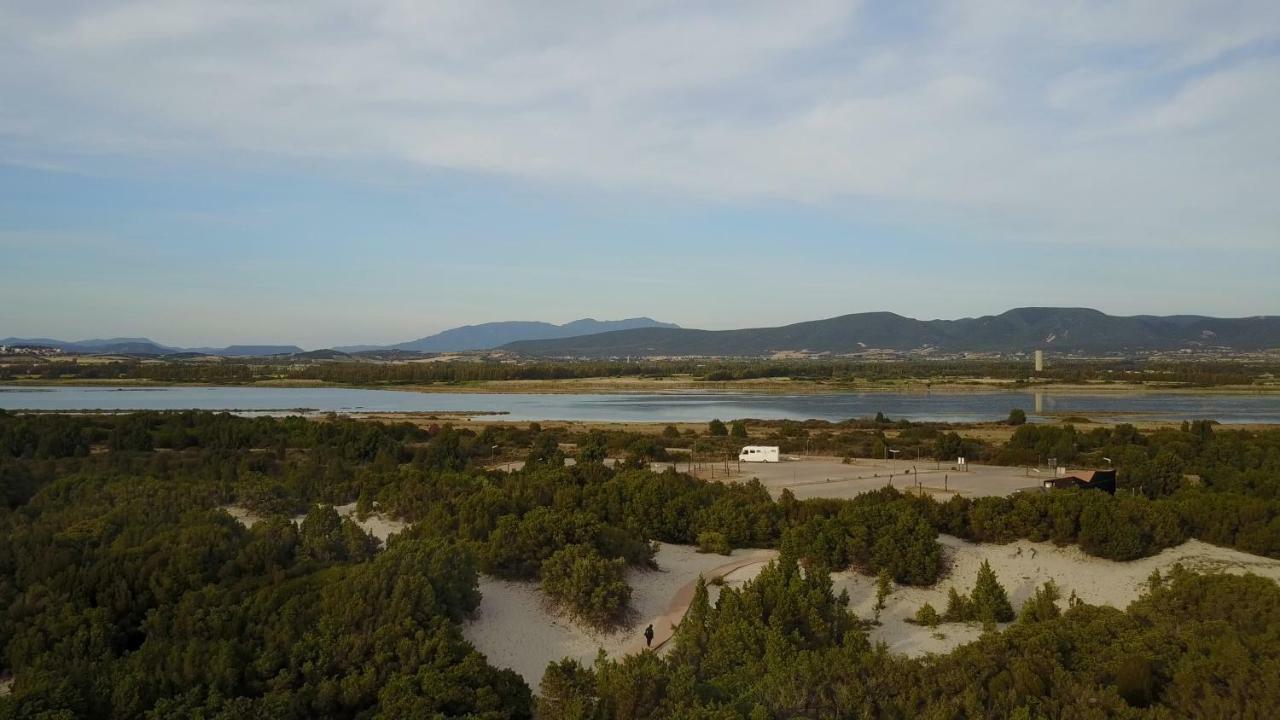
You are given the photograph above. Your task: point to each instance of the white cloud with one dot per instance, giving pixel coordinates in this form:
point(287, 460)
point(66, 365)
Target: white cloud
point(1117, 122)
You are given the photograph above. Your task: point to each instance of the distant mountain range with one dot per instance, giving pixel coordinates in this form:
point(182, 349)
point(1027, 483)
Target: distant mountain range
point(146, 346)
point(1079, 330)
point(1067, 330)
point(487, 336)
point(469, 337)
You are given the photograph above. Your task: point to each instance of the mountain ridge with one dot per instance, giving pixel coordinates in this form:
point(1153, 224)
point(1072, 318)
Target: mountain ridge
point(482, 336)
point(1017, 330)
point(487, 336)
point(147, 346)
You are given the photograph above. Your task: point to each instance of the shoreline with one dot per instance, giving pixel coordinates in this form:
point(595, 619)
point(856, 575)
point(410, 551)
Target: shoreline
point(627, 386)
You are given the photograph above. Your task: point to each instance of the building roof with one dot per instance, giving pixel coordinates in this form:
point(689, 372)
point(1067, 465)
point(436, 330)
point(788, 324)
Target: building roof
point(1087, 475)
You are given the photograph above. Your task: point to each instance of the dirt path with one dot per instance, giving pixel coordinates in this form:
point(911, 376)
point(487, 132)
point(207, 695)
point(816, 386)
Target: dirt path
point(664, 625)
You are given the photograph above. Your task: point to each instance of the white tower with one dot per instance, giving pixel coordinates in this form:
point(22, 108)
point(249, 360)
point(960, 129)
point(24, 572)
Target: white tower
point(1039, 361)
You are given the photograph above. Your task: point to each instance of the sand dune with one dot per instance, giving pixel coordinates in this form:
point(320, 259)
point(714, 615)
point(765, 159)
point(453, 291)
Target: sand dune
point(1022, 567)
point(517, 629)
point(376, 524)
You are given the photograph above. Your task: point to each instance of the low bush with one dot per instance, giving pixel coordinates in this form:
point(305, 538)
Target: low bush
point(713, 542)
point(590, 586)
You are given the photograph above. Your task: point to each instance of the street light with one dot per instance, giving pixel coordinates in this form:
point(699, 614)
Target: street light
point(895, 457)
point(1108, 461)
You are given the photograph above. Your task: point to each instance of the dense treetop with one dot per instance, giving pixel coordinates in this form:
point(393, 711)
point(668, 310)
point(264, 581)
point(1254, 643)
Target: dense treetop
point(129, 592)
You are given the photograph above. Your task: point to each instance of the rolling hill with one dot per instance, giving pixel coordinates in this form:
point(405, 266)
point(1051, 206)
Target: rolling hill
point(1079, 330)
point(487, 336)
point(145, 346)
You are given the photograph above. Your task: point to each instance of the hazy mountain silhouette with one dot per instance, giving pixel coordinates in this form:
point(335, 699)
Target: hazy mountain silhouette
point(486, 336)
point(1022, 329)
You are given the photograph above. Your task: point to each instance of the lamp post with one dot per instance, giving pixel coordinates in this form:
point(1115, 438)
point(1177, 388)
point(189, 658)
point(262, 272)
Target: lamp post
point(895, 457)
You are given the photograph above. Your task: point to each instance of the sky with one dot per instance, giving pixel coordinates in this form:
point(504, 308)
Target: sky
point(330, 173)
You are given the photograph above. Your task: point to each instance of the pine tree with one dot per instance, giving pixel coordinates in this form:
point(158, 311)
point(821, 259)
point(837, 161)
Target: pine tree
point(989, 600)
point(692, 636)
point(958, 609)
point(884, 586)
point(1043, 605)
point(927, 616)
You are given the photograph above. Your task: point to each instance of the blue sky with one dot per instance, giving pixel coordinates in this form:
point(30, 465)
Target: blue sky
point(339, 173)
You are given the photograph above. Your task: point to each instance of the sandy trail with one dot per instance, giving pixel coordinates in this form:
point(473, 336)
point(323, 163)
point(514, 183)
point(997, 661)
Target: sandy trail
point(664, 626)
point(517, 628)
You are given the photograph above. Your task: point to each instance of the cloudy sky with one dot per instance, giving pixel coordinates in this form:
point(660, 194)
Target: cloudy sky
point(339, 172)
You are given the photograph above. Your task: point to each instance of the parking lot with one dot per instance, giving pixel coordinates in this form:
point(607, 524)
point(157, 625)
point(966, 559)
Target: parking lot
point(827, 477)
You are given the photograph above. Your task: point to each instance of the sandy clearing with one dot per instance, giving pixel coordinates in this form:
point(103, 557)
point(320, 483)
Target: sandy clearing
point(516, 628)
point(376, 524)
point(244, 516)
point(6, 686)
point(518, 465)
point(1023, 566)
point(830, 477)
point(665, 625)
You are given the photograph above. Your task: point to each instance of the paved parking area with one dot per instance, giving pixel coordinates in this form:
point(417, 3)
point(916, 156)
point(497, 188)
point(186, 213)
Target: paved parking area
point(826, 477)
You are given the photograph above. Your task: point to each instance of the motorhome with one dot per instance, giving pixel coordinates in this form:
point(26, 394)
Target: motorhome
point(759, 453)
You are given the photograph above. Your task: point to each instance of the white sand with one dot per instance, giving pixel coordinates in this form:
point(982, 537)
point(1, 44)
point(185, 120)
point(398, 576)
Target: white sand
point(242, 515)
point(379, 526)
point(1094, 580)
point(515, 627)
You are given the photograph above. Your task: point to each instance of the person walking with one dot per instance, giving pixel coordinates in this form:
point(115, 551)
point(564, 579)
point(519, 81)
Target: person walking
point(648, 636)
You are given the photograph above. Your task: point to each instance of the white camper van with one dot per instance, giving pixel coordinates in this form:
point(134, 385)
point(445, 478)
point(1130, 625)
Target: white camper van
point(759, 453)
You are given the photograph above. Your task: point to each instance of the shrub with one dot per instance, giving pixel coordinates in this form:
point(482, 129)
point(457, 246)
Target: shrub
point(884, 587)
point(822, 540)
point(713, 542)
point(1041, 606)
point(590, 586)
point(959, 608)
point(717, 428)
point(927, 616)
point(989, 601)
point(1017, 416)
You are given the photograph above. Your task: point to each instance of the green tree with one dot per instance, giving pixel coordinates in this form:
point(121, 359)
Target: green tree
point(884, 587)
point(590, 586)
point(1043, 605)
point(321, 535)
point(927, 616)
point(738, 429)
point(959, 607)
point(989, 600)
point(716, 428)
point(1017, 416)
point(711, 541)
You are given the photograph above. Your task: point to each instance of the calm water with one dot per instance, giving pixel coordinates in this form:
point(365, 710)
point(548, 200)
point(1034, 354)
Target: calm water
point(651, 407)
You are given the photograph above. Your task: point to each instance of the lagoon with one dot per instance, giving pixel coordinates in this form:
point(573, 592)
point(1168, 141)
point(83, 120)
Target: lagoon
point(687, 406)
